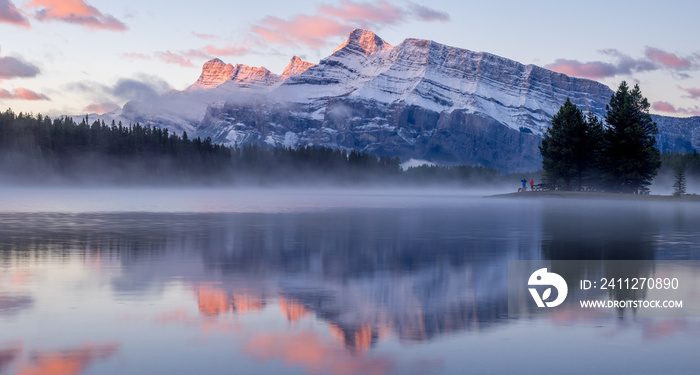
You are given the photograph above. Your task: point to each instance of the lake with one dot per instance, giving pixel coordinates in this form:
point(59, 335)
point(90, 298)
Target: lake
point(271, 281)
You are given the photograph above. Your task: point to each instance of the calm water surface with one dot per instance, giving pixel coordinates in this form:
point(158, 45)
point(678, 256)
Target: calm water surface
point(322, 282)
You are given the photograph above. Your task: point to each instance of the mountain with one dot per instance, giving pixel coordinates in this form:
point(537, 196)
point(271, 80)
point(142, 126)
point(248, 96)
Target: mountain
point(419, 99)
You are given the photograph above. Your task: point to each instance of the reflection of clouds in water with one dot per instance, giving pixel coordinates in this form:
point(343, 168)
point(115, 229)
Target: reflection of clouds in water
point(658, 329)
point(309, 350)
point(21, 278)
point(13, 304)
point(205, 325)
point(64, 362)
point(9, 352)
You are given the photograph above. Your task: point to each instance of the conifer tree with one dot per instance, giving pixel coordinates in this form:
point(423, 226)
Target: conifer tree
point(629, 159)
point(569, 148)
point(679, 183)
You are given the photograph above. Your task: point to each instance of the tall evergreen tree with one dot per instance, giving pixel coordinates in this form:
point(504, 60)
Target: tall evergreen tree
point(569, 148)
point(630, 160)
point(679, 184)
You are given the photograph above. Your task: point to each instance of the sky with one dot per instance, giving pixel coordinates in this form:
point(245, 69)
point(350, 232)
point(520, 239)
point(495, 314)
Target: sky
point(69, 57)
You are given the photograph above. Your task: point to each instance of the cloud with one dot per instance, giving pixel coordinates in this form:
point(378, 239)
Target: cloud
point(185, 58)
point(693, 93)
point(10, 14)
point(311, 31)
point(101, 108)
point(12, 67)
point(364, 14)
point(669, 108)
point(426, 14)
point(140, 88)
point(654, 59)
point(592, 69)
point(663, 107)
point(338, 20)
point(227, 50)
point(22, 94)
point(204, 36)
point(667, 59)
point(174, 58)
point(76, 12)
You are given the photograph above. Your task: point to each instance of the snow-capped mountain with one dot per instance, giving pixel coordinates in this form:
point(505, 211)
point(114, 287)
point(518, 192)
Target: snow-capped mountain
point(419, 99)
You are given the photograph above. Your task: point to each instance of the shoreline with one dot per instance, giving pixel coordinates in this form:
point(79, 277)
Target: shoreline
point(597, 195)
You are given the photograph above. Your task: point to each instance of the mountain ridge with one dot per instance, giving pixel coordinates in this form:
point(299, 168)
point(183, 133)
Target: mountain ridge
point(419, 99)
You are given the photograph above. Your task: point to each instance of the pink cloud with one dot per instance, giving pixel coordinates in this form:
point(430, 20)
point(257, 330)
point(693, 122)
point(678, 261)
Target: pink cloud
point(331, 21)
point(591, 70)
point(226, 51)
point(10, 14)
point(76, 12)
point(136, 55)
point(101, 108)
point(311, 31)
point(693, 93)
point(185, 58)
point(204, 36)
point(667, 59)
point(669, 108)
point(365, 14)
point(663, 107)
point(174, 58)
point(22, 94)
point(654, 59)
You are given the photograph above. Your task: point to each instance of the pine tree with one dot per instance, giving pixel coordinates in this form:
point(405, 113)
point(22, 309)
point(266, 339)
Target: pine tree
point(569, 148)
point(679, 184)
point(629, 159)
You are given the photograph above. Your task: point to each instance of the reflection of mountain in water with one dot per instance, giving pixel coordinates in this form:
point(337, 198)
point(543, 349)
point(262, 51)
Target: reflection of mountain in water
point(419, 273)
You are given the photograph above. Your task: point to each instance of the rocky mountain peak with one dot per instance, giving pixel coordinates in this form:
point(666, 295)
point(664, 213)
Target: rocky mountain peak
point(365, 40)
point(296, 66)
point(214, 73)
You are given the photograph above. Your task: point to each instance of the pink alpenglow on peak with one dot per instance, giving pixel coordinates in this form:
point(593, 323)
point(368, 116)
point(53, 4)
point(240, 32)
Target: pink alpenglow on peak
point(215, 72)
point(296, 66)
point(367, 41)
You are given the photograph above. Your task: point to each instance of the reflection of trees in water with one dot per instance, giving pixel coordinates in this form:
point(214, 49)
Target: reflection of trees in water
point(37, 237)
point(601, 239)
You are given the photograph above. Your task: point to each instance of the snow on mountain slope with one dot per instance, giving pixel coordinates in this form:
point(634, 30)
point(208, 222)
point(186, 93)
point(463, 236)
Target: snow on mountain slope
point(419, 99)
point(416, 72)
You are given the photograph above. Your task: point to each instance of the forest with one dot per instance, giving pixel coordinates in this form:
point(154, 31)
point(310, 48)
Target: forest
point(41, 149)
point(38, 149)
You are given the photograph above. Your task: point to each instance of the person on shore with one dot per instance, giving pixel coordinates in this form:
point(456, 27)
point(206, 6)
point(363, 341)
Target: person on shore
point(524, 182)
point(532, 184)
